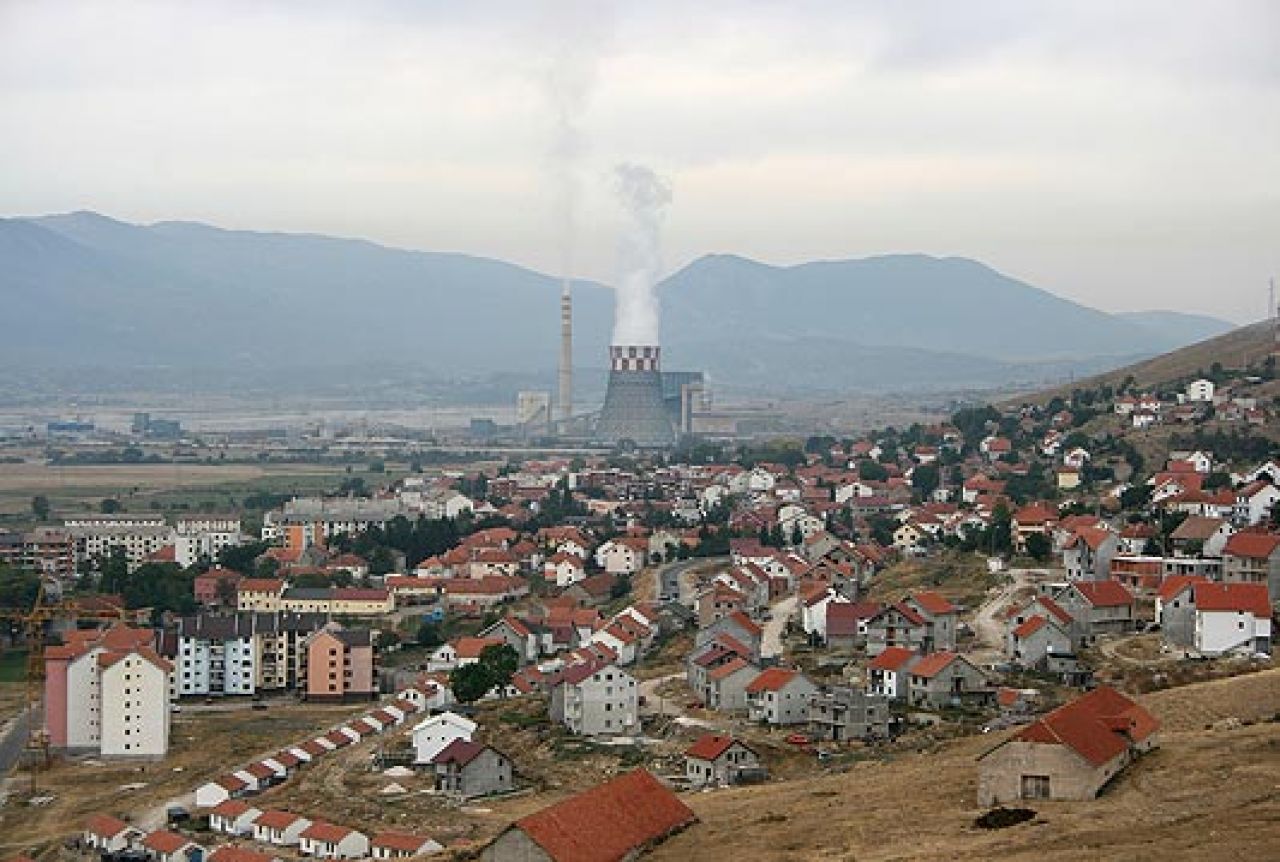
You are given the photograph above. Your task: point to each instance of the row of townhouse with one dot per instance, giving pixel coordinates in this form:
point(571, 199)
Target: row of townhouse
point(189, 540)
point(273, 595)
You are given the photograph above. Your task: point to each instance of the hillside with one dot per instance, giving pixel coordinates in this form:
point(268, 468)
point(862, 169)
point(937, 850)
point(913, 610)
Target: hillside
point(95, 292)
point(1205, 794)
point(1239, 348)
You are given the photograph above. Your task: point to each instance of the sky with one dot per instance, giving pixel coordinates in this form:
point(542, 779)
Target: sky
point(1124, 155)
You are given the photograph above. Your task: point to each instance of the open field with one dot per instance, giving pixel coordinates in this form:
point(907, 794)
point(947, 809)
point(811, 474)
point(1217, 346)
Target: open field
point(80, 487)
point(204, 744)
point(962, 578)
point(1203, 795)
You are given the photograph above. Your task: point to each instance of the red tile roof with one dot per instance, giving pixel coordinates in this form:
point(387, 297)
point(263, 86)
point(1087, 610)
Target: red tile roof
point(893, 658)
point(1252, 598)
point(773, 679)
point(164, 841)
point(1029, 627)
point(260, 585)
point(1104, 594)
point(1098, 726)
point(933, 603)
point(933, 663)
point(1175, 584)
point(274, 819)
point(328, 833)
point(228, 853)
point(401, 841)
point(727, 669)
point(1256, 546)
point(460, 751)
point(710, 746)
point(608, 822)
point(230, 808)
point(105, 826)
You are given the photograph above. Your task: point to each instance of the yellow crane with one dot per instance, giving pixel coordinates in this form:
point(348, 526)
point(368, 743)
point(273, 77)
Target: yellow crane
point(34, 621)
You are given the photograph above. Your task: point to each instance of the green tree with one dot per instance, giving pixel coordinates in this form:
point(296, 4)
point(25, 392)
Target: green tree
point(110, 506)
point(797, 536)
point(1039, 547)
point(40, 507)
point(925, 479)
point(470, 682)
point(502, 662)
point(870, 471)
point(429, 635)
point(381, 561)
point(18, 589)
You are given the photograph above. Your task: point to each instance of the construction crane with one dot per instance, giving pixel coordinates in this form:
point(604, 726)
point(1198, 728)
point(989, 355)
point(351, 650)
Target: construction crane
point(34, 621)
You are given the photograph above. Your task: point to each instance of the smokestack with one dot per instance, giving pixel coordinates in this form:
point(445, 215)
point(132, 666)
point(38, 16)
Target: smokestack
point(566, 353)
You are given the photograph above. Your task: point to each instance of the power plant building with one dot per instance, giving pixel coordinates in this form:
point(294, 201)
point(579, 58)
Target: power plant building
point(634, 409)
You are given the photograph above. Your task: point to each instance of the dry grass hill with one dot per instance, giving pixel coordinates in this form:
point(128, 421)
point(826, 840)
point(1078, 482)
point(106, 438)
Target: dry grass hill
point(1240, 348)
point(1205, 794)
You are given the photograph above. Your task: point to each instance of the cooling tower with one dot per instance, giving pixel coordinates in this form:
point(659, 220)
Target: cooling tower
point(633, 407)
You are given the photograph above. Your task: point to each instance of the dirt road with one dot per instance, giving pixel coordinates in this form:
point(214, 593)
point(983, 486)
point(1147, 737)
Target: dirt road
point(988, 626)
point(771, 643)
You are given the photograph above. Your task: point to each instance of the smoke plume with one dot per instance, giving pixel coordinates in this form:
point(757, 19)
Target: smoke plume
point(644, 197)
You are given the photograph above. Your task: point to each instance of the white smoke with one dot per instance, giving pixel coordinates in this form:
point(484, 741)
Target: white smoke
point(644, 197)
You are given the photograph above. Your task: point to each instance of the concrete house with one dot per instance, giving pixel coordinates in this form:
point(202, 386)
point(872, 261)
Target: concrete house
point(165, 846)
point(896, 625)
point(108, 834)
point(465, 770)
point(433, 734)
point(330, 841)
point(889, 674)
point(1098, 608)
point(779, 696)
point(233, 817)
point(596, 698)
point(219, 790)
point(1070, 753)
point(718, 760)
point(1254, 503)
point(738, 626)
point(726, 686)
point(281, 828)
point(940, 617)
point(1087, 555)
point(841, 713)
point(944, 679)
point(615, 820)
point(1037, 637)
point(1175, 609)
point(848, 622)
point(1253, 558)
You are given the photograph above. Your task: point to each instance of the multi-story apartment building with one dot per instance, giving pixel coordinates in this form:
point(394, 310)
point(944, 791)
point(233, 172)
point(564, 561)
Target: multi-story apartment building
point(339, 665)
point(204, 537)
point(242, 653)
point(307, 521)
point(108, 691)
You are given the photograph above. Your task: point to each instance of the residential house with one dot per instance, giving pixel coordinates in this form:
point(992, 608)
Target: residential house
point(108, 834)
point(779, 696)
point(847, 623)
point(330, 841)
point(233, 817)
point(726, 686)
point(435, 733)
point(738, 626)
point(896, 625)
point(1087, 555)
point(282, 828)
point(1097, 608)
point(1231, 619)
point(623, 556)
point(1253, 558)
point(339, 665)
point(165, 846)
point(1030, 642)
point(1254, 503)
point(842, 713)
point(1070, 753)
point(719, 760)
point(615, 820)
point(941, 619)
point(889, 673)
point(466, 770)
point(1201, 536)
point(943, 679)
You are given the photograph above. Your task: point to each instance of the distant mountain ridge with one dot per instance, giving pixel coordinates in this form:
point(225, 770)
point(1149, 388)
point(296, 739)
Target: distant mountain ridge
point(90, 290)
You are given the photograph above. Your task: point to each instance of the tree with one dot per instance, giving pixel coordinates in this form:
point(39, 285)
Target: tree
point(925, 479)
point(797, 536)
point(381, 562)
point(40, 507)
point(870, 471)
point(18, 589)
point(110, 506)
point(1039, 547)
point(470, 682)
point(502, 662)
point(429, 635)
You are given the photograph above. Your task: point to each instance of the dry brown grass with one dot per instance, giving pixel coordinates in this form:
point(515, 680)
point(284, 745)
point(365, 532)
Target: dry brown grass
point(962, 578)
point(1203, 795)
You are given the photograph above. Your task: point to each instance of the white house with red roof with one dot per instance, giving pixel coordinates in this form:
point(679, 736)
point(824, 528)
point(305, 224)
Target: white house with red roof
point(108, 834)
point(1087, 555)
point(1069, 753)
point(1254, 503)
point(402, 845)
point(325, 840)
point(1231, 619)
point(889, 673)
point(625, 555)
point(1252, 557)
point(233, 817)
point(434, 733)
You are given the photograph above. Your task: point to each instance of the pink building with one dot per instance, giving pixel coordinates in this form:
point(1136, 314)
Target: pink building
point(339, 665)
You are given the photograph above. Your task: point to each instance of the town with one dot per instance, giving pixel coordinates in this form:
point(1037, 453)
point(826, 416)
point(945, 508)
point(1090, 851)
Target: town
point(470, 657)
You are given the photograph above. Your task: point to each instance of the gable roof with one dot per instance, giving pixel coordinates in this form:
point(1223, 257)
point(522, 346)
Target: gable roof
point(328, 833)
point(773, 679)
point(105, 826)
point(893, 658)
point(1174, 584)
point(1104, 594)
point(164, 841)
point(1097, 726)
point(710, 746)
point(1256, 546)
point(934, 663)
point(460, 751)
point(1252, 598)
point(933, 603)
point(608, 822)
point(231, 808)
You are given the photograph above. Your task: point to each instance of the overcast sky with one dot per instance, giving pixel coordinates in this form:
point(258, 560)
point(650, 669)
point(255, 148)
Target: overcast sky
point(1126, 155)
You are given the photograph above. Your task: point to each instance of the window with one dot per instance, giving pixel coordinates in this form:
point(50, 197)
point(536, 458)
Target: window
point(1035, 787)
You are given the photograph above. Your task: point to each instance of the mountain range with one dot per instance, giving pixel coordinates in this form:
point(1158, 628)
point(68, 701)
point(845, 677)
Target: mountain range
point(91, 291)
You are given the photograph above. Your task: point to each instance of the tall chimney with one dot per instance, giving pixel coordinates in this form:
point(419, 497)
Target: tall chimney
point(566, 353)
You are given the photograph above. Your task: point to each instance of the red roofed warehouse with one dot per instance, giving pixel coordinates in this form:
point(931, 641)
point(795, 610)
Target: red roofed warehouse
point(1070, 753)
point(613, 821)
